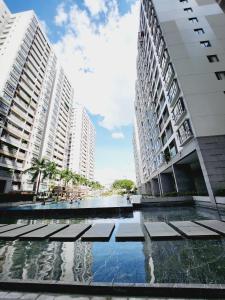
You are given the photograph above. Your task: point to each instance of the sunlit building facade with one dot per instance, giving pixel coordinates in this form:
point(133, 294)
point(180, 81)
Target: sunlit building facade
point(81, 158)
point(180, 98)
point(26, 82)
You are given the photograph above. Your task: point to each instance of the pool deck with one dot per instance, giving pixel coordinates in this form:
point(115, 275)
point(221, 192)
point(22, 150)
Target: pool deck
point(165, 290)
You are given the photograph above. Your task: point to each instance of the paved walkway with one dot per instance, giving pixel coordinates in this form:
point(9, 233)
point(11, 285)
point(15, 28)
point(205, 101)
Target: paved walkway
point(35, 296)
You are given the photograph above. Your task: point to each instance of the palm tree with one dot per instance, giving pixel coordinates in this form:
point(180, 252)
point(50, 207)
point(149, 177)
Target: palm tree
point(66, 175)
point(51, 171)
point(37, 170)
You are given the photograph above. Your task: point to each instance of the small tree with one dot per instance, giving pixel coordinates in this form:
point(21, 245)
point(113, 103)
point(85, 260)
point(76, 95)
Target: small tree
point(123, 184)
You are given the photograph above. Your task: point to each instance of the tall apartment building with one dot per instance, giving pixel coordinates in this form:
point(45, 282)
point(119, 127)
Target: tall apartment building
point(82, 143)
point(56, 140)
point(26, 82)
point(180, 97)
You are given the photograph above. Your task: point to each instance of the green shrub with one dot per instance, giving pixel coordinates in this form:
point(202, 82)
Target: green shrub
point(220, 192)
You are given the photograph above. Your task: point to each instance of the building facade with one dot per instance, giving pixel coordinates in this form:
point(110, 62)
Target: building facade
point(56, 137)
point(26, 82)
point(81, 158)
point(180, 97)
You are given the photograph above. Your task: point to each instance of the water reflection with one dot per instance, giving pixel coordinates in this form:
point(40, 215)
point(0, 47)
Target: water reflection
point(187, 261)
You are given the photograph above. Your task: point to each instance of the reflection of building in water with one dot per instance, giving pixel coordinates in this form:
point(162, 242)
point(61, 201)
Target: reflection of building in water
point(82, 267)
point(31, 260)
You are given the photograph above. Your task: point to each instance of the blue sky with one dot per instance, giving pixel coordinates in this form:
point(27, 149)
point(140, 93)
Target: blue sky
point(96, 43)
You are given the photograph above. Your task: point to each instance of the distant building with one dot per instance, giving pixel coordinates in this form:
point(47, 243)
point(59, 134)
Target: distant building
point(180, 97)
point(81, 158)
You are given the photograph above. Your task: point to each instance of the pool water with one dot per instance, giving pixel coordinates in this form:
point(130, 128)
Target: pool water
point(180, 261)
point(92, 202)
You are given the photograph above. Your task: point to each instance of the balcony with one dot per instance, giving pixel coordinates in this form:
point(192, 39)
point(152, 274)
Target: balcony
point(185, 132)
point(10, 163)
point(173, 92)
point(15, 120)
point(13, 130)
point(5, 174)
point(179, 111)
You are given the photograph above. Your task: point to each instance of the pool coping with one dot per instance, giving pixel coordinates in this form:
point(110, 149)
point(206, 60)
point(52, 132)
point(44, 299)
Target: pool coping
point(66, 211)
point(117, 289)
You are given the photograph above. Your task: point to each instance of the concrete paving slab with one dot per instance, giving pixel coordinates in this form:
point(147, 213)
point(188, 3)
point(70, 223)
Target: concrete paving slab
point(99, 232)
point(73, 232)
point(161, 230)
point(12, 234)
point(215, 225)
point(1, 225)
point(11, 227)
point(44, 232)
point(193, 230)
point(129, 232)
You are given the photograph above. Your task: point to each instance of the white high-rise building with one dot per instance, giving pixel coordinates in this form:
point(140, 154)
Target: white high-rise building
point(180, 97)
point(26, 82)
point(36, 100)
point(56, 140)
point(82, 143)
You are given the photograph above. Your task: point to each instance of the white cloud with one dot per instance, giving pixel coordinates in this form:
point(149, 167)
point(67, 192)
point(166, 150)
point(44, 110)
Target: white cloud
point(95, 6)
point(61, 16)
point(100, 59)
point(117, 135)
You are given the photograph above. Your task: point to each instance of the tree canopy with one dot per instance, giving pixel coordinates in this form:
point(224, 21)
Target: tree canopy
point(123, 184)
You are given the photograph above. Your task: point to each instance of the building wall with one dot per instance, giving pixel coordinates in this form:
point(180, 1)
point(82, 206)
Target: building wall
point(82, 143)
point(180, 86)
point(26, 82)
point(56, 140)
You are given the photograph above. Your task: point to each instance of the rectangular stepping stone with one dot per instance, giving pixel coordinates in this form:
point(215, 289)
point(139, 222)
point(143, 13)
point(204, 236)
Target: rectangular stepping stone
point(19, 231)
point(130, 232)
point(99, 232)
point(161, 230)
point(193, 230)
point(44, 232)
point(11, 227)
point(1, 225)
point(73, 232)
point(215, 225)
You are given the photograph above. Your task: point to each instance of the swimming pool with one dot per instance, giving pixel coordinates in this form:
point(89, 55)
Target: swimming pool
point(92, 202)
point(180, 261)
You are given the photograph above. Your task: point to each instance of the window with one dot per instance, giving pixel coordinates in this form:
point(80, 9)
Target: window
point(205, 44)
point(213, 58)
point(193, 20)
point(179, 109)
point(184, 132)
point(220, 75)
point(199, 31)
point(188, 9)
point(174, 91)
point(169, 74)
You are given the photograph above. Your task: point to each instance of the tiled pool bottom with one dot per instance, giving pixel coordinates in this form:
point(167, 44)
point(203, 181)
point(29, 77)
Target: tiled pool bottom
point(177, 261)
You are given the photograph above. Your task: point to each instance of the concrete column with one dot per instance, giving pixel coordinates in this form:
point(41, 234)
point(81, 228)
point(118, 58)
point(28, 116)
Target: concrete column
point(148, 188)
point(167, 183)
point(183, 178)
point(8, 186)
point(155, 187)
